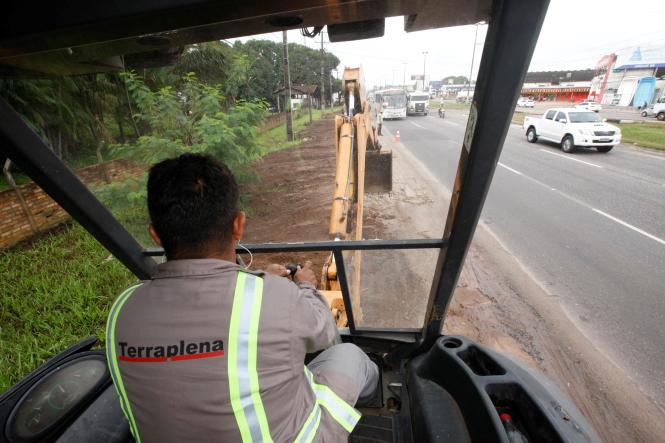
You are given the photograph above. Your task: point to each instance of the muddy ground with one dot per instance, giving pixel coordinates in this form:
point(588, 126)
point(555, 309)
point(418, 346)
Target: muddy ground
point(496, 303)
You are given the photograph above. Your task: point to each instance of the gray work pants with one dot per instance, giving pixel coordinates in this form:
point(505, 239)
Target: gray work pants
point(347, 370)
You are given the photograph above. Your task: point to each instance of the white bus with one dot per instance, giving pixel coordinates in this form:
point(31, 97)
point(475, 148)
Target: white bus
point(393, 103)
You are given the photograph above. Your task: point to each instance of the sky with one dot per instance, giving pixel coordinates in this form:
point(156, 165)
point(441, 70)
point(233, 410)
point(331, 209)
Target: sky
point(575, 35)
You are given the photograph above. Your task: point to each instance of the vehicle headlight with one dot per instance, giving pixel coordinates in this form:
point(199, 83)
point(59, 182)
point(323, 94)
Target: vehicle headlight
point(585, 131)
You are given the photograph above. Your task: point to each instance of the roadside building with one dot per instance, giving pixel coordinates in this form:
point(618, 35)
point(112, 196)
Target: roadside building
point(451, 90)
point(300, 95)
point(631, 78)
point(435, 87)
point(561, 86)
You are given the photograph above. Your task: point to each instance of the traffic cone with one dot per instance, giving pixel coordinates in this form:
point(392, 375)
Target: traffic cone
point(397, 137)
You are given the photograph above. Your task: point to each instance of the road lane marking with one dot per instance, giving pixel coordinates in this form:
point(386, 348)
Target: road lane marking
point(416, 124)
point(451, 123)
point(510, 169)
point(581, 203)
point(570, 158)
point(629, 226)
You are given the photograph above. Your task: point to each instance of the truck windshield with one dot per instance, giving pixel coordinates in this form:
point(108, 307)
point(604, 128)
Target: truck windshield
point(419, 98)
point(584, 117)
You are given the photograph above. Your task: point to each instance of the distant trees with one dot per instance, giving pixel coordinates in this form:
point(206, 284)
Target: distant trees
point(456, 79)
point(80, 116)
point(266, 67)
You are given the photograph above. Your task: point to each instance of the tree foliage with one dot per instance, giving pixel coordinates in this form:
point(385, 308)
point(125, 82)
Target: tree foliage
point(266, 67)
point(79, 117)
point(194, 118)
point(456, 79)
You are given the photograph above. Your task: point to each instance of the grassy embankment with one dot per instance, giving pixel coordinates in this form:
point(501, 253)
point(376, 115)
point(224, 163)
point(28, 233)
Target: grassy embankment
point(275, 138)
point(54, 292)
point(648, 135)
point(58, 289)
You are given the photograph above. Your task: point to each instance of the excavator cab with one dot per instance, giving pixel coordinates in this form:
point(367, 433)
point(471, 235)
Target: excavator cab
point(433, 387)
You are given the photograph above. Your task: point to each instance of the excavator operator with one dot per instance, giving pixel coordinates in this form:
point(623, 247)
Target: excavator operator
point(209, 351)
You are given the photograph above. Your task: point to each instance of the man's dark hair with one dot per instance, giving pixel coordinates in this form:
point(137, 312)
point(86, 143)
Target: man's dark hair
point(193, 200)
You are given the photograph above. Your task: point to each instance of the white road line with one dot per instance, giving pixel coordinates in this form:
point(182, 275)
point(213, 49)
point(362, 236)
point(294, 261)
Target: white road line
point(510, 169)
point(628, 225)
point(642, 154)
point(570, 158)
point(581, 203)
point(451, 123)
point(416, 124)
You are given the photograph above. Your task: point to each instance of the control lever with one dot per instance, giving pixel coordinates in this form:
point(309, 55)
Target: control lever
point(291, 269)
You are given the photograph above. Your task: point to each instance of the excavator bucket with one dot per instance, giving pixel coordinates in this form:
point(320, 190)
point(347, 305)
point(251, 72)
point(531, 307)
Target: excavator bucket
point(378, 163)
point(378, 171)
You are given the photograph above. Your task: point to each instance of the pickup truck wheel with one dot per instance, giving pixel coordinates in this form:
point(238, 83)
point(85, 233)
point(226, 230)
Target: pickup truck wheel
point(567, 144)
point(644, 113)
point(661, 116)
point(604, 148)
point(531, 136)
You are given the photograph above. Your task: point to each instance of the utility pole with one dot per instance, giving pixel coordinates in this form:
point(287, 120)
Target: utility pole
point(323, 91)
point(424, 60)
point(473, 56)
point(331, 88)
point(404, 77)
point(287, 84)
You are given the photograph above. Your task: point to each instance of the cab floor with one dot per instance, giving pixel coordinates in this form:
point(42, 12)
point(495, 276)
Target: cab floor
point(373, 429)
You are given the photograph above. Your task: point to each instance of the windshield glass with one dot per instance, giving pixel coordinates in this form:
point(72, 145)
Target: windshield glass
point(584, 117)
point(563, 236)
point(394, 99)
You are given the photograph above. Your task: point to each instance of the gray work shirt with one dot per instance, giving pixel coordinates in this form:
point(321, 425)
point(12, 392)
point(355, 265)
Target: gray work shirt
point(183, 313)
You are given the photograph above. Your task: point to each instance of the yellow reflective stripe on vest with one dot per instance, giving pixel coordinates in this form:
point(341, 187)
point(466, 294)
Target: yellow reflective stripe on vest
point(242, 355)
point(244, 379)
point(111, 359)
point(343, 413)
point(311, 425)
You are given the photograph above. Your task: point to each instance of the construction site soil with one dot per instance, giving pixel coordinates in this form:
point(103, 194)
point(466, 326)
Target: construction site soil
point(497, 302)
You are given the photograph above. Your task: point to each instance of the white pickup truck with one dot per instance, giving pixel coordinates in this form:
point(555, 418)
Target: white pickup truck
point(572, 128)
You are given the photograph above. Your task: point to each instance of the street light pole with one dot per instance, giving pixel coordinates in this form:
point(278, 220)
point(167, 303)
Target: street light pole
point(404, 77)
point(473, 56)
point(424, 60)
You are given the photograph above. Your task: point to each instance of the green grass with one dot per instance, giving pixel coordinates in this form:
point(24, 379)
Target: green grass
point(648, 135)
point(518, 118)
point(455, 105)
point(52, 294)
point(275, 138)
point(19, 178)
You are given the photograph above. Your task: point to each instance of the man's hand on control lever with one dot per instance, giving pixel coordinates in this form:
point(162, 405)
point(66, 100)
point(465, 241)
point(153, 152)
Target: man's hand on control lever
point(278, 270)
point(299, 273)
point(305, 274)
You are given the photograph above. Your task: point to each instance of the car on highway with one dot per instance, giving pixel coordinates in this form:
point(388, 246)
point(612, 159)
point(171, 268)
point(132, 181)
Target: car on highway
point(572, 128)
point(656, 110)
point(524, 102)
point(589, 106)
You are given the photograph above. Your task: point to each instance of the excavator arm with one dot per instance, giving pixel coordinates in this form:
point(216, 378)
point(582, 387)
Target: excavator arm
point(357, 150)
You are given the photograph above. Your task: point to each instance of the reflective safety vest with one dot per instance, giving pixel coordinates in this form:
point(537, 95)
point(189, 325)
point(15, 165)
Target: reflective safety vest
point(243, 376)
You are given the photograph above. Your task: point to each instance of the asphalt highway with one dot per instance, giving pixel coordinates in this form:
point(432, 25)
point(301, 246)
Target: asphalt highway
point(589, 226)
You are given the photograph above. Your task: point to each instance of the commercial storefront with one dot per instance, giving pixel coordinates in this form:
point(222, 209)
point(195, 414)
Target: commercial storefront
point(557, 93)
point(561, 86)
point(637, 78)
